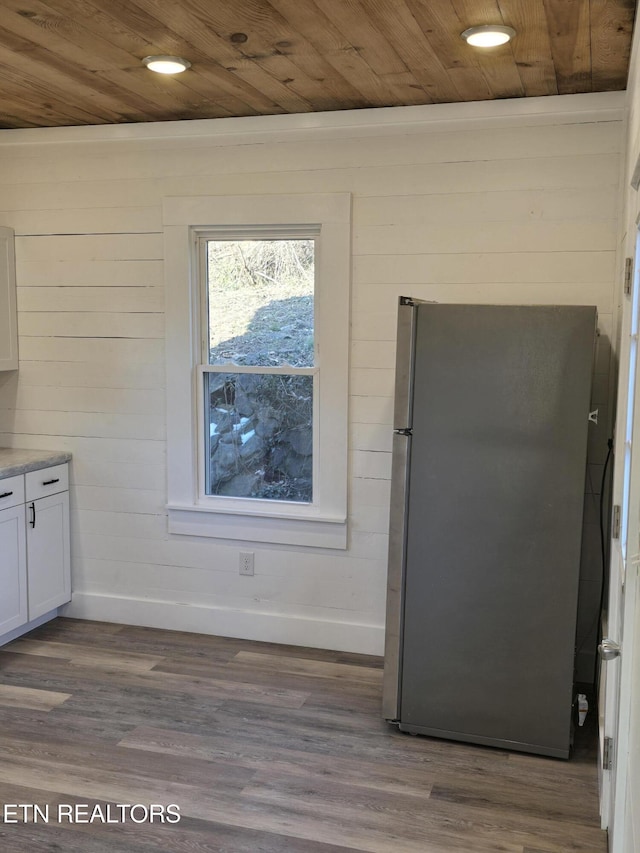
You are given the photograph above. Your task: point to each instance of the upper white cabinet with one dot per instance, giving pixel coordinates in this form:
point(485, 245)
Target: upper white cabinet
point(8, 307)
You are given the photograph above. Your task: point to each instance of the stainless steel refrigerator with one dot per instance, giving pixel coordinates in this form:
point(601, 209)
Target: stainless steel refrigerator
point(489, 460)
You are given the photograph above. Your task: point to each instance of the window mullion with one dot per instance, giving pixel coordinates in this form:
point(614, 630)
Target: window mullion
point(283, 369)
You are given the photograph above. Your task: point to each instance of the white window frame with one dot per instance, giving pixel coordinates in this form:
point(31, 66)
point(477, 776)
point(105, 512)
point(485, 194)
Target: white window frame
point(239, 504)
point(322, 523)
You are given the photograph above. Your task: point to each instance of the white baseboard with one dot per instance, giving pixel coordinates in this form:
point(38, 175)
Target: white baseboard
point(245, 624)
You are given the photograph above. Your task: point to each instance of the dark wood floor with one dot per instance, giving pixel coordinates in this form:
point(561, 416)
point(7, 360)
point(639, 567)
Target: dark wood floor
point(266, 749)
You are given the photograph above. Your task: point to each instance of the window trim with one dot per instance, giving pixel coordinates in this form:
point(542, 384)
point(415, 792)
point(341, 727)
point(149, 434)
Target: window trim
point(323, 523)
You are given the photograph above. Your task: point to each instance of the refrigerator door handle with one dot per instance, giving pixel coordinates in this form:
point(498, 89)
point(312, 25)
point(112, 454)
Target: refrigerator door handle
point(403, 396)
point(395, 576)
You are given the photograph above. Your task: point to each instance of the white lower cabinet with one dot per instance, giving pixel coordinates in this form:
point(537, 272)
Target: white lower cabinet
point(13, 569)
point(35, 559)
point(49, 580)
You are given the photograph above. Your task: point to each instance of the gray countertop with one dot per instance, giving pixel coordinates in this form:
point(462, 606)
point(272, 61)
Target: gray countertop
point(15, 461)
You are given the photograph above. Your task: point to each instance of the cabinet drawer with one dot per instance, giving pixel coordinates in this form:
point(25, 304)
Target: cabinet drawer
point(12, 491)
point(46, 481)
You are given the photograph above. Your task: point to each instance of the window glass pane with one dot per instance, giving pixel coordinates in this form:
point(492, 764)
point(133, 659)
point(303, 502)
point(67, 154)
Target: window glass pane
point(259, 436)
point(260, 295)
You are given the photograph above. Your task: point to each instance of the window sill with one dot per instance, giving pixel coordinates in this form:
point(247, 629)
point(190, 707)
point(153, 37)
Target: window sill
point(310, 532)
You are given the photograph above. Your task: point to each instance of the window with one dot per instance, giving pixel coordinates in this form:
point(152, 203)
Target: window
point(257, 366)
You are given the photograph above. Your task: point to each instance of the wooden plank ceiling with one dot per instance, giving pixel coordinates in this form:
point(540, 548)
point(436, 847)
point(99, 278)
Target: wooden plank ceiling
point(74, 62)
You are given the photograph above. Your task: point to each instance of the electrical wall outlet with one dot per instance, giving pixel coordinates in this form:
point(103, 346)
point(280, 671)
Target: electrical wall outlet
point(246, 563)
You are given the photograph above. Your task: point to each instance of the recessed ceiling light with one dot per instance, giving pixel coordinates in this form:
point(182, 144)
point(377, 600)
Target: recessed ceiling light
point(166, 64)
point(488, 35)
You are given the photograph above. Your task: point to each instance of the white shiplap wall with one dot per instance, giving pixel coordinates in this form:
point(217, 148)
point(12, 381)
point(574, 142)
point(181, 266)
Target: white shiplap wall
point(512, 202)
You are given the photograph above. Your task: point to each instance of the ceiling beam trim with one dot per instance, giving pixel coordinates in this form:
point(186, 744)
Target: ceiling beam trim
point(555, 109)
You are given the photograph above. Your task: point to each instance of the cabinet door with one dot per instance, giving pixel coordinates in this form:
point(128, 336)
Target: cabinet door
point(13, 569)
point(48, 556)
point(8, 311)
